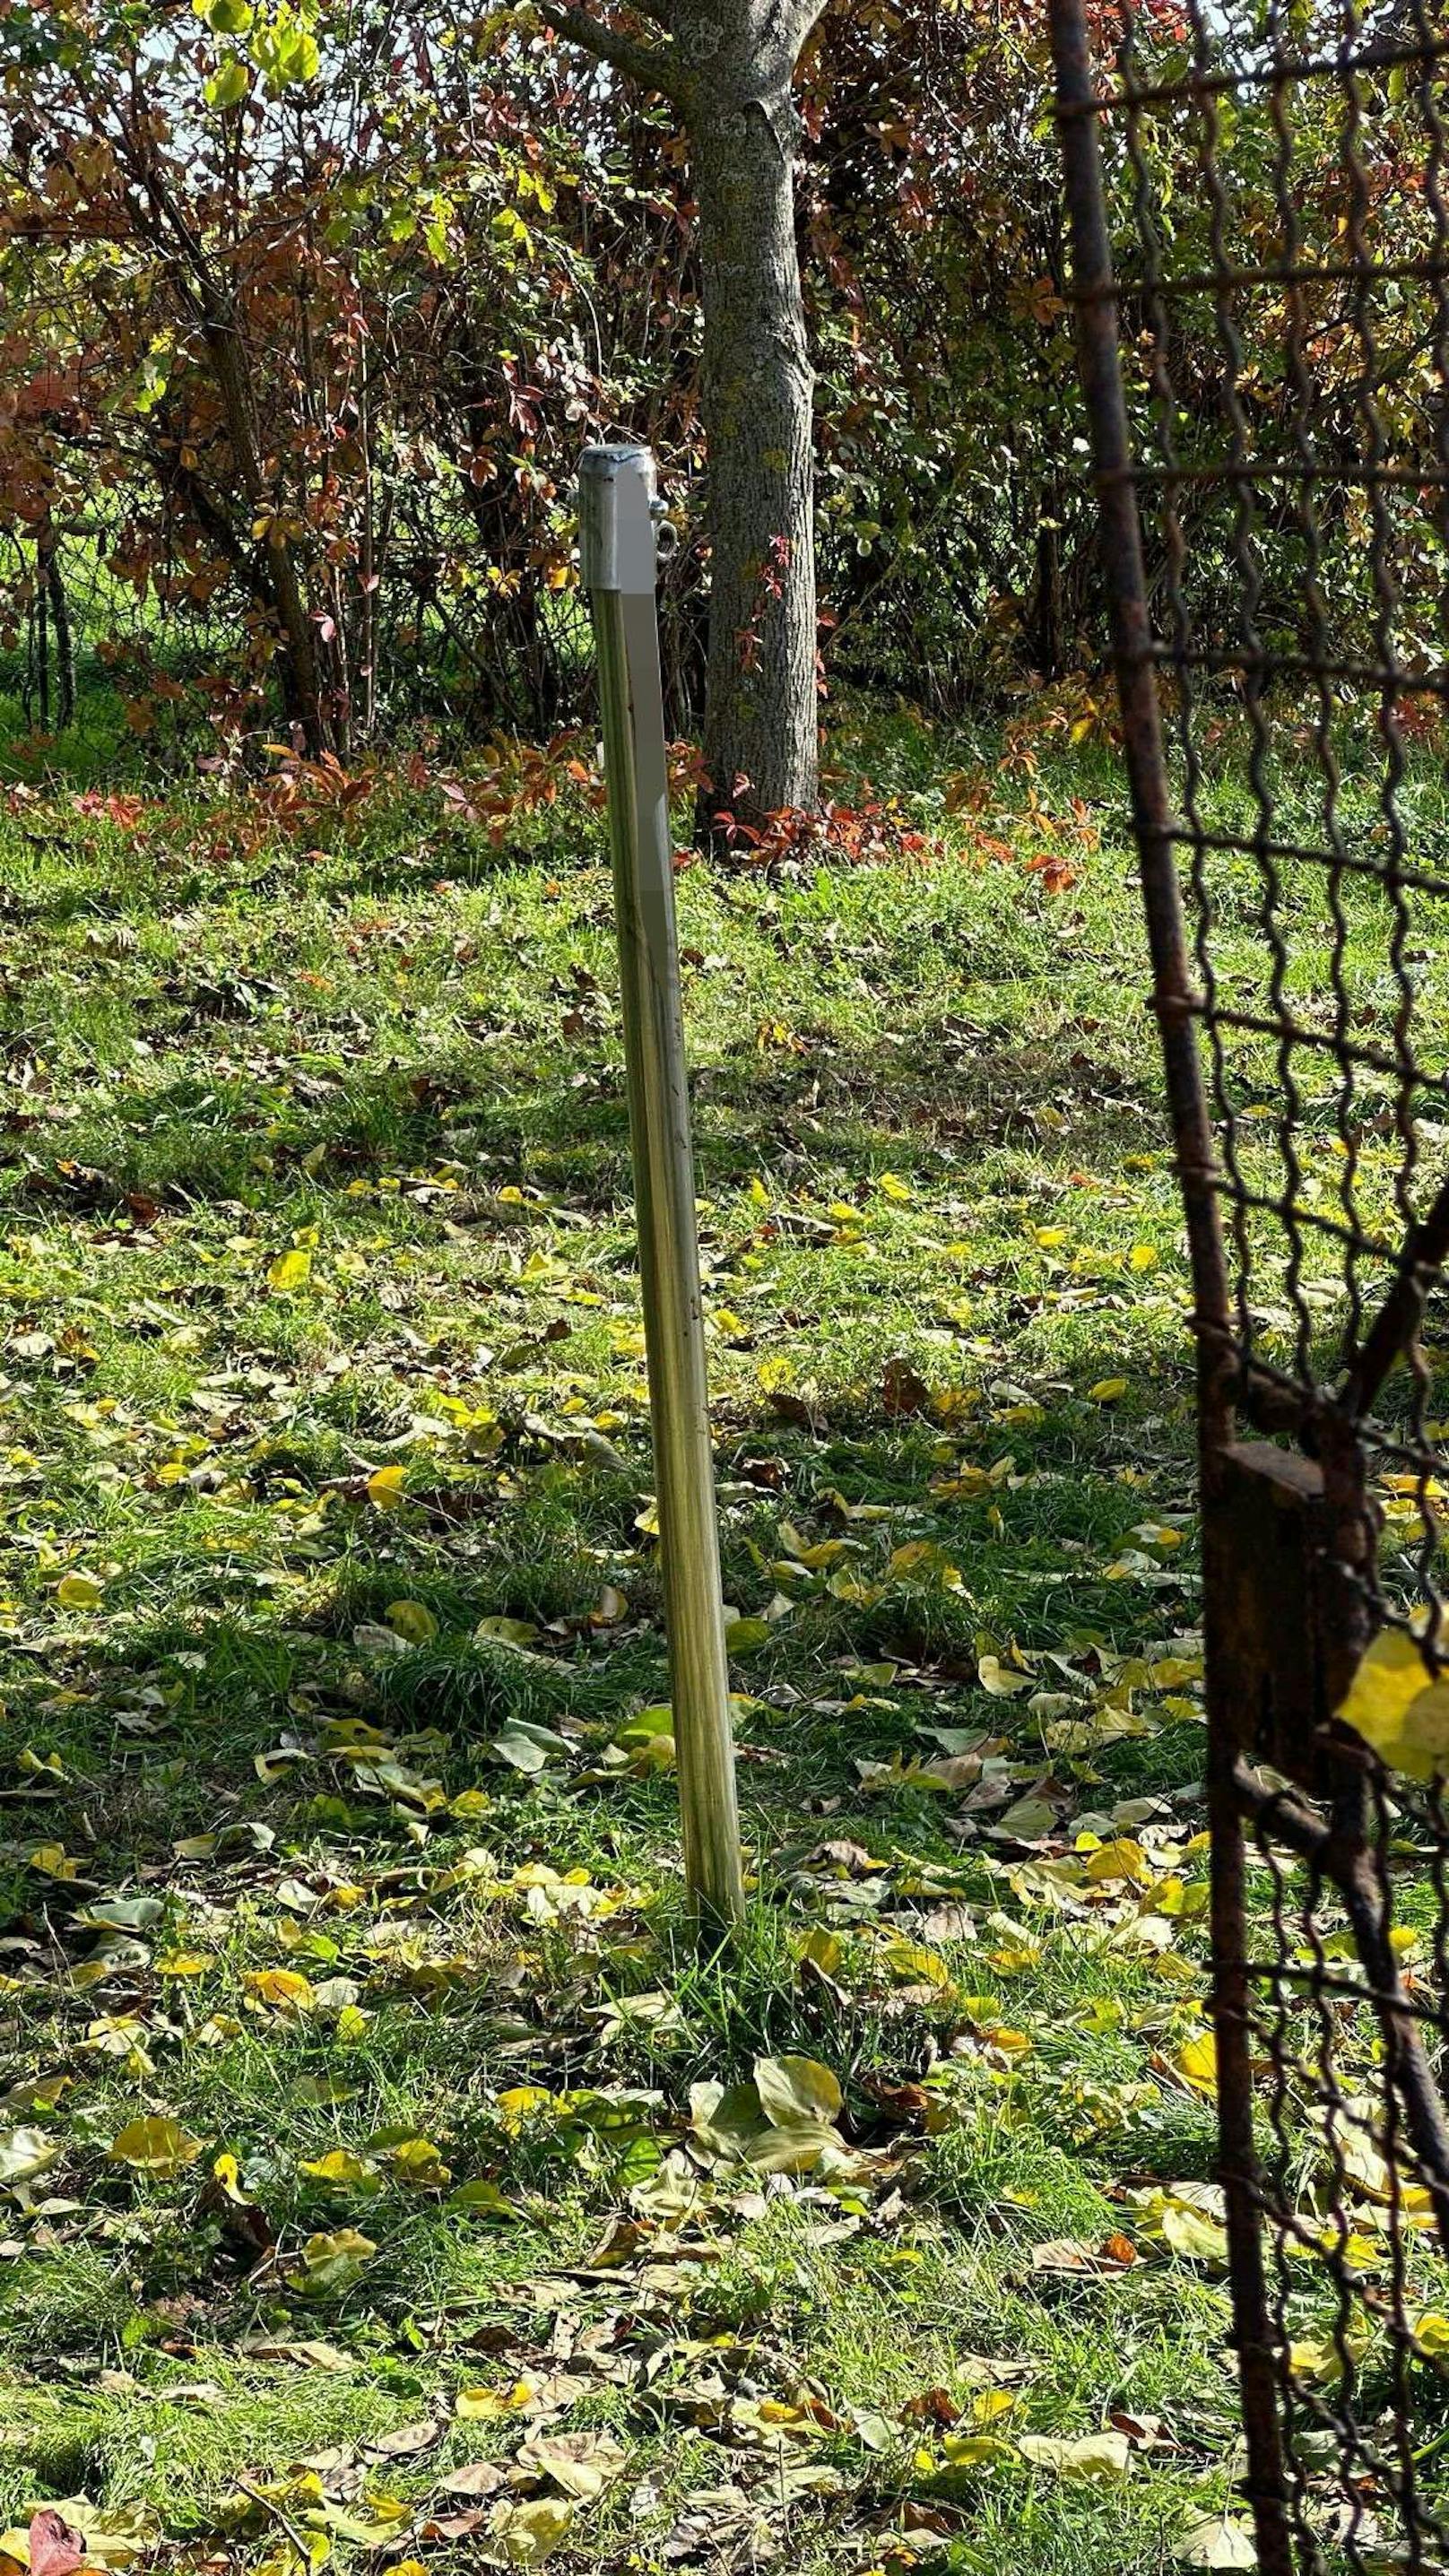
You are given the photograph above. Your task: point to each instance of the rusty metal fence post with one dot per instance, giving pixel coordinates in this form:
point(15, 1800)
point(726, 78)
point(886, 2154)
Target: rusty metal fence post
point(1258, 213)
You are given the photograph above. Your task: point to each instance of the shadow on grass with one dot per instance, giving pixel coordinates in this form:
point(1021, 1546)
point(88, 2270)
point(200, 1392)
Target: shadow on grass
point(555, 1115)
point(164, 1726)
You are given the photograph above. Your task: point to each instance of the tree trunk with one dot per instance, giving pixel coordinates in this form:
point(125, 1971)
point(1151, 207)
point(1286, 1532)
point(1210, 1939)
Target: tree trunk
point(42, 642)
point(301, 687)
point(1047, 619)
point(760, 721)
point(322, 725)
point(727, 66)
point(64, 637)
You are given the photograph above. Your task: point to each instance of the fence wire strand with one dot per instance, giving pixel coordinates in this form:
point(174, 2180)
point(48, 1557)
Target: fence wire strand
point(1258, 198)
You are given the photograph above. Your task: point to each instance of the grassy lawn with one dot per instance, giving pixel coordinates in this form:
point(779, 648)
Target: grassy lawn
point(380, 2173)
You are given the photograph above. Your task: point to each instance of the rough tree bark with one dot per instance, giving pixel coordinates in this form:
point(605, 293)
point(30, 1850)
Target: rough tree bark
point(727, 67)
point(760, 709)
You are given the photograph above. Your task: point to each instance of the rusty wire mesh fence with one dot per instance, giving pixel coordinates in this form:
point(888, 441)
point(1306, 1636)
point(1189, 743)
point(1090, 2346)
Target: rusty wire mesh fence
point(1259, 215)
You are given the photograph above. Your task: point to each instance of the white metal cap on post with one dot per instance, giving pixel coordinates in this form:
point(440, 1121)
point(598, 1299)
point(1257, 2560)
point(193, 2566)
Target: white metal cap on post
point(618, 559)
point(619, 512)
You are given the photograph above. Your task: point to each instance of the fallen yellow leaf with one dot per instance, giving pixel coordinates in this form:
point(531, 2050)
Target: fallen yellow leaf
point(156, 2145)
point(1197, 2063)
point(79, 1592)
point(1396, 1704)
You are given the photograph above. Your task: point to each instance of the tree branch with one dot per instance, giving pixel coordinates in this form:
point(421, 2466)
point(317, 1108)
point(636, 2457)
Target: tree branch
point(787, 24)
point(653, 66)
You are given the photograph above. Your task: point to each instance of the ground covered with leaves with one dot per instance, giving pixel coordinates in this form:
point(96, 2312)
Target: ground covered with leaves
point(384, 2178)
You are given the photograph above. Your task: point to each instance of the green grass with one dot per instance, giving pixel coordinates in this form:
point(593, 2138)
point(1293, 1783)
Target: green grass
point(952, 1396)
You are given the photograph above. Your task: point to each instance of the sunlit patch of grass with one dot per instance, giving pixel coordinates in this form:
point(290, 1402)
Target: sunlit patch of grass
point(951, 1377)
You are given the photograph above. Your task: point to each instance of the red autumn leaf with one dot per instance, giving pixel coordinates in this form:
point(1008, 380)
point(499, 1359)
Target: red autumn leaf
point(55, 2550)
point(932, 2406)
point(1056, 873)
